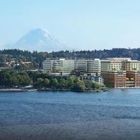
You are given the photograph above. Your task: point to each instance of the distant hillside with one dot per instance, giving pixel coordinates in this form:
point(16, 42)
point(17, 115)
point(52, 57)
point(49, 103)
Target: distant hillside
point(102, 54)
point(37, 58)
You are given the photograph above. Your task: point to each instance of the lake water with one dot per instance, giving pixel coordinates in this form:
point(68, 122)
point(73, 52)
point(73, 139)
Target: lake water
point(111, 115)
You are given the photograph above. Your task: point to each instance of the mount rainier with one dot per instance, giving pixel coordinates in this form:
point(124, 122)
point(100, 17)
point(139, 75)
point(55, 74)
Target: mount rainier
point(39, 39)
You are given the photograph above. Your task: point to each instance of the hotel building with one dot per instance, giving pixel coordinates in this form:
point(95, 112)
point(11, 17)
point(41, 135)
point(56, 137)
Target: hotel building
point(121, 72)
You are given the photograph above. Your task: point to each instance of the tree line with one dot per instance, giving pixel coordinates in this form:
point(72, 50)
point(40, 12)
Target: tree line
point(20, 79)
point(37, 58)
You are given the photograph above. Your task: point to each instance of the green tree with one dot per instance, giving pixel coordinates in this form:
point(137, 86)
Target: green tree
point(54, 83)
point(63, 83)
point(40, 83)
point(88, 84)
point(79, 86)
point(96, 85)
point(23, 79)
point(46, 82)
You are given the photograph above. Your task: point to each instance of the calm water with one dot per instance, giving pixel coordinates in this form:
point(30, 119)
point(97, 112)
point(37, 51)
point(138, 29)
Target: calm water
point(70, 116)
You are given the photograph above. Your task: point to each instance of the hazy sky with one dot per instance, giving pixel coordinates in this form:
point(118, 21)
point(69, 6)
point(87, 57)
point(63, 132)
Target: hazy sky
point(86, 24)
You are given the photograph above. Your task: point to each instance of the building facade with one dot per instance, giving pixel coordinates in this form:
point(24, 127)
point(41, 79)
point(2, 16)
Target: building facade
point(115, 79)
point(67, 66)
point(114, 64)
point(58, 66)
point(48, 66)
point(94, 66)
point(80, 65)
point(116, 72)
point(133, 78)
point(129, 65)
point(121, 72)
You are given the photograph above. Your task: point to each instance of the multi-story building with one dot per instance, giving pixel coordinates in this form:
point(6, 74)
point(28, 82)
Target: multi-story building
point(48, 66)
point(116, 72)
point(66, 66)
point(133, 78)
point(129, 65)
point(58, 66)
point(121, 72)
point(113, 64)
point(81, 65)
point(94, 66)
point(114, 79)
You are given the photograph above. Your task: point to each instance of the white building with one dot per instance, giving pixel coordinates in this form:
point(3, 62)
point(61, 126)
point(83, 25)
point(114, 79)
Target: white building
point(131, 65)
point(58, 66)
point(117, 64)
point(113, 64)
point(48, 66)
point(81, 65)
point(66, 66)
point(94, 66)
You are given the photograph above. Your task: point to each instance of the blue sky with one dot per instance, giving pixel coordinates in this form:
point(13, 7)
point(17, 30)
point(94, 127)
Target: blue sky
point(84, 24)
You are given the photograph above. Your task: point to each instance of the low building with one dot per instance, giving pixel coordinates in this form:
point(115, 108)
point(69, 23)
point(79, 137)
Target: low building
point(98, 78)
point(93, 77)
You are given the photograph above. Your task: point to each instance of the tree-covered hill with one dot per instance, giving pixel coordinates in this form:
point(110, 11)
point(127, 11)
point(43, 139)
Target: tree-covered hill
point(37, 58)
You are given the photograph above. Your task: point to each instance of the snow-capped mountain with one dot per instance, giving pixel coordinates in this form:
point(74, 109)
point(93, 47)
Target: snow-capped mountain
point(40, 40)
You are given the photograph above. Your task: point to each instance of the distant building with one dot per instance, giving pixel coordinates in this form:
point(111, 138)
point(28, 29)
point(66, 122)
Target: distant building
point(92, 77)
point(97, 78)
point(133, 78)
point(48, 66)
point(119, 64)
point(65, 66)
point(94, 66)
point(129, 65)
point(114, 72)
point(80, 65)
point(121, 72)
point(114, 79)
point(113, 64)
point(58, 66)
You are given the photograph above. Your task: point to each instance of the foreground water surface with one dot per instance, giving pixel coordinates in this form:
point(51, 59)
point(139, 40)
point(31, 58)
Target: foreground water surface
point(114, 114)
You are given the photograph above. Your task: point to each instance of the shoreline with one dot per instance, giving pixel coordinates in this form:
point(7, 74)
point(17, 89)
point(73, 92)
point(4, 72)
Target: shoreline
point(90, 91)
point(53, 90)
point(16, 90)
